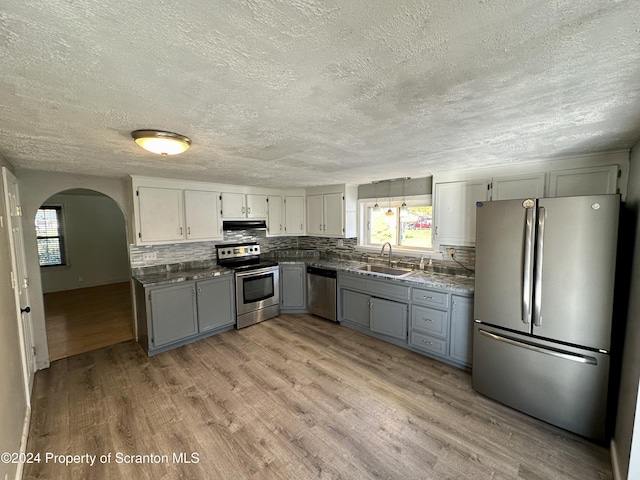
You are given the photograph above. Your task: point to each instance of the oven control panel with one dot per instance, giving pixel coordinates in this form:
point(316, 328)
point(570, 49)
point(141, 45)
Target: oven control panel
point(226, 252)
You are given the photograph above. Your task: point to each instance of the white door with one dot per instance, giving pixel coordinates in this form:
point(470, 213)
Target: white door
point(274, 215)
point(315, 215)
point(294, 215)
point(161, 214)
point(19, 276)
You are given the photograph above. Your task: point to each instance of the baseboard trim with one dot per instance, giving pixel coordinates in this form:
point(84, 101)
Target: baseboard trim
point(23, 441)
point(615, 466)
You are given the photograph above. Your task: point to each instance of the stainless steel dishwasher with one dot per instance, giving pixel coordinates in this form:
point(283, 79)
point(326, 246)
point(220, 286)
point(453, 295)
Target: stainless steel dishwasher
point(321, 292)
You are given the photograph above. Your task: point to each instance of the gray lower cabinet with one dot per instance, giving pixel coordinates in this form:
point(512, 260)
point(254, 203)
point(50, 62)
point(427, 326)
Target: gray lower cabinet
point(389, 318)
point(435, 322)
point(216, 299)
point(355, 308)
point(293, 287)
point(442, 325)
point(362, 306)
point(176, 314)
point(173, 313)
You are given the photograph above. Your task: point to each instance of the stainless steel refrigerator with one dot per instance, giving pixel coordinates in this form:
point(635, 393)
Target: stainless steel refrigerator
point(543, 306)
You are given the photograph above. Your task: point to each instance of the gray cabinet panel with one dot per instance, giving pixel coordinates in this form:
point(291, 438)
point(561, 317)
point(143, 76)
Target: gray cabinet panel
point(215, 303)
point(293, 289)
point(461, 341)
point(389, 318)
point(355, 307)
point(173, 313)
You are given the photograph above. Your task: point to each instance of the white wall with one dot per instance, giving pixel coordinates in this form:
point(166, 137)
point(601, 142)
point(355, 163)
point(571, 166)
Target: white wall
point(35, 187)
point(13, 404)
point(96, 244)
point(624, 443)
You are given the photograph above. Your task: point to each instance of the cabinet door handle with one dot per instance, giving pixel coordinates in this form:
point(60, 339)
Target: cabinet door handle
point(243, 210)
point(428, 343)
point(427, 319)
point(249, 210)
point(428, 297)
point(188, 230)
point(436, 232)
point(199, 290)
point(193, 291)
point(180, 231)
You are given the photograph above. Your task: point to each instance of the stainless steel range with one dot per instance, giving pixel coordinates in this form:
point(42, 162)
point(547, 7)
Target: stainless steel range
point(257, 282)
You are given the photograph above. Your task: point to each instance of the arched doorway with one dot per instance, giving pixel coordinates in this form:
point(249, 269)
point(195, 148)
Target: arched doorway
point(84, 270)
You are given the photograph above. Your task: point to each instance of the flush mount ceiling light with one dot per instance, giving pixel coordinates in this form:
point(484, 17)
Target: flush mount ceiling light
point(162, 143)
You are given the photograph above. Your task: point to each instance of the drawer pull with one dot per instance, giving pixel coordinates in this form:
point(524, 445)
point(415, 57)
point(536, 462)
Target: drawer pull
point(424, 341)
point(427, 319)
point(426, 296)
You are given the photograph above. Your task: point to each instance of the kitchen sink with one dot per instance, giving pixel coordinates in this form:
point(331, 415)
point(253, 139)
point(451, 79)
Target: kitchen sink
point(394, 271)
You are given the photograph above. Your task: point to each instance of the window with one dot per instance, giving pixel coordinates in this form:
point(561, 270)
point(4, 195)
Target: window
point(411, 231)
point(50, 235)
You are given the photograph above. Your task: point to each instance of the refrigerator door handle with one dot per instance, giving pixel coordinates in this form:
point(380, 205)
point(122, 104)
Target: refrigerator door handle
point(554, 353)
point(537, 297)
point(526, 281)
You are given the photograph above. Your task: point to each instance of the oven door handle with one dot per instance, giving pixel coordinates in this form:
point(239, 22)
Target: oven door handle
point(259, 271)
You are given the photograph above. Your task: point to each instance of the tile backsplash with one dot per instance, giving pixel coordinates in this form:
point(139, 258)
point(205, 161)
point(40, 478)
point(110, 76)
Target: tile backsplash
point(343, 248)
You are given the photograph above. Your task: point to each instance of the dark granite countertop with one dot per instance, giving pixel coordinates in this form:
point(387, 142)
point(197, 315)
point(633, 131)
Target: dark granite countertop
point(453, 283)
point(168, 277)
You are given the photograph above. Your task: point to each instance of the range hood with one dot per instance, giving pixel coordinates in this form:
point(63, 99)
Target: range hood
point(244, 225)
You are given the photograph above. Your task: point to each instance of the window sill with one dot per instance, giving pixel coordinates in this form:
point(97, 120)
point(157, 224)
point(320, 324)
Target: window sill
point(403, 252)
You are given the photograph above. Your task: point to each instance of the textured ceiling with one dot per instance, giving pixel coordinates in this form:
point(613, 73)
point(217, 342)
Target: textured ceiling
point(312, 92)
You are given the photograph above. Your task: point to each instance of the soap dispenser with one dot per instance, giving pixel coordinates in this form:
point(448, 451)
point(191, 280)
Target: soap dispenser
point(421, 263)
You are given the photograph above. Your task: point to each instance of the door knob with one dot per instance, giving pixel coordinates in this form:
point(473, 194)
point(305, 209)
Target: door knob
point(25, 310)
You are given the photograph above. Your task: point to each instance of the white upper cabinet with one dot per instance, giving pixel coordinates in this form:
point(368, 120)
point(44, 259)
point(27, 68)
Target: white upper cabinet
point(315, 214)
point(584, 181)
point(275, 224)
point(518, 186)
point(454, 213)
point(202, 215)
point(256, 206)
point(241, 205)
point(173, 215)
point(294, 215)
point(333, 205)
point(234, 205)
point(161, 215)
point(331, 211)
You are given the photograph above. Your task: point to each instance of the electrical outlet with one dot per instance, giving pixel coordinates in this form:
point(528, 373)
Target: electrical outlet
point(149, 256)
point(451, 252)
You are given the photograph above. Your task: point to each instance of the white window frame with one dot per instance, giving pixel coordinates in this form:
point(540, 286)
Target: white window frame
point(63, 219)
point(364, 223)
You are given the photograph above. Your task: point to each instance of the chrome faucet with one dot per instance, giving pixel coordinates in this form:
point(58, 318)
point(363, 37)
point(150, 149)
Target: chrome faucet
point(382, 251)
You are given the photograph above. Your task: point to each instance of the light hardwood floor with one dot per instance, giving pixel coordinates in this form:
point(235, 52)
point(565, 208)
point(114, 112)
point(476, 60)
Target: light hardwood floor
point(87, 319)
point(294, 397)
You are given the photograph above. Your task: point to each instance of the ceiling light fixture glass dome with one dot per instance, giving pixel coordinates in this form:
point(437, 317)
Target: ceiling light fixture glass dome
point(160, 142)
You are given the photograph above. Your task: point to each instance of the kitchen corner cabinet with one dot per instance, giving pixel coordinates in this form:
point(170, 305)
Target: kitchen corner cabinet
point(455, 211)
point(176, 314)
point(241, 205)
point(293, 288)
point(173, 215)
point(332, 214)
